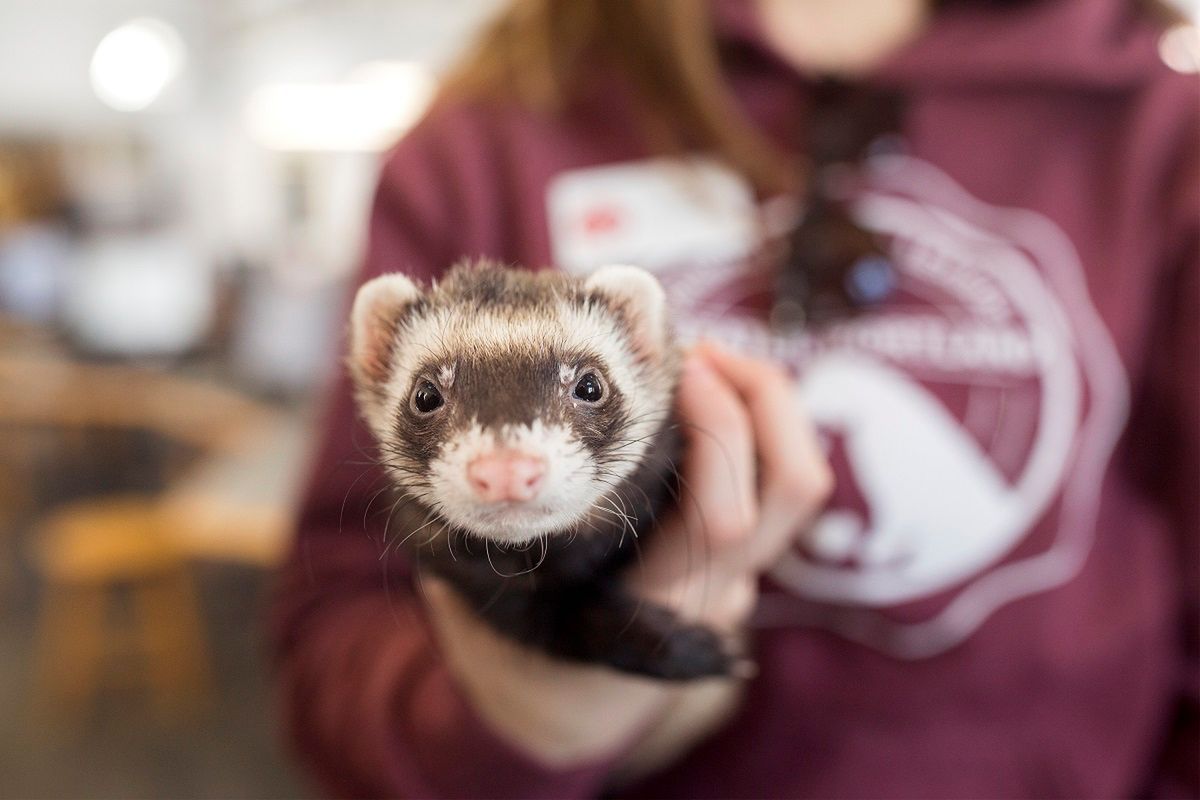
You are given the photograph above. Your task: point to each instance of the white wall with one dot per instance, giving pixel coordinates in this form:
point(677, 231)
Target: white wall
point(188, 163)
point(227, 186)
point(45, 49)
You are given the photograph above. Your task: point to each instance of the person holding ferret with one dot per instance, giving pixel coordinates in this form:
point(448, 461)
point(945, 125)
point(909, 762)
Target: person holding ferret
point(936, 268)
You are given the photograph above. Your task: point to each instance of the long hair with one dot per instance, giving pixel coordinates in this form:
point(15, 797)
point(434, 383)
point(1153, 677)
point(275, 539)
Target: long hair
point(540, 52)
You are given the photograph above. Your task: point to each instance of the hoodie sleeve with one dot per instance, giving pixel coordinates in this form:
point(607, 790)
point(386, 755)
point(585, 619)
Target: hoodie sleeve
point(367, 699)
point(1168, 416)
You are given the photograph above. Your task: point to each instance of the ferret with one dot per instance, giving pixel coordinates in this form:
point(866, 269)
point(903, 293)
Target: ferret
point(526, 418)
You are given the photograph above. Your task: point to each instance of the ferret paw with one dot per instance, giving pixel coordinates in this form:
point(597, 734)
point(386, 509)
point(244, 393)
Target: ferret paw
point(692, 651)
point(681, 653)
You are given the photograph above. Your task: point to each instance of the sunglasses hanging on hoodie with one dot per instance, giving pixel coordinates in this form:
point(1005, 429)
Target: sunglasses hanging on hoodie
point(832, 268)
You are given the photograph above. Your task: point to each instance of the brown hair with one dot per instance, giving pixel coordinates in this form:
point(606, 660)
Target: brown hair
point(533, 54)
point(536, 52)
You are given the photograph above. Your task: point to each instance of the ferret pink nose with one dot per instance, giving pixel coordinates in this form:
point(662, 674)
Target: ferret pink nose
point(501, 476)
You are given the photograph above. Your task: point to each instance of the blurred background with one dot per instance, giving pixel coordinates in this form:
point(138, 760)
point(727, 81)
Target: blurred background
point(183, 192)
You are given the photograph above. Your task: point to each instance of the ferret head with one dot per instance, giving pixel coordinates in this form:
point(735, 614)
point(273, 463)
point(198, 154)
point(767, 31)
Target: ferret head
point(511, 402)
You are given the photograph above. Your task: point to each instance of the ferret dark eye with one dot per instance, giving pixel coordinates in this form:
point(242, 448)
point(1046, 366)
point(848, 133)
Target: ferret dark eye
point(427, 399)
point(589, 388)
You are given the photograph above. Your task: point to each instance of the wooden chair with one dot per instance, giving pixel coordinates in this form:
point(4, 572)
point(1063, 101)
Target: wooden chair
point(87, 552)
point(91, 552)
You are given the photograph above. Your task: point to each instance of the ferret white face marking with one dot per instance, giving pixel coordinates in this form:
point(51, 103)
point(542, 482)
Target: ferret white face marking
point(511, 403)
point(540, 476)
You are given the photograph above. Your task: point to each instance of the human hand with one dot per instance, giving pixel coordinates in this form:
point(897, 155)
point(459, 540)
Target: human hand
point(752, 474)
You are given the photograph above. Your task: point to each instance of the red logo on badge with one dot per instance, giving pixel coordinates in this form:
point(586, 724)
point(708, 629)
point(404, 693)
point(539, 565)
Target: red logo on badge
point(601, 220)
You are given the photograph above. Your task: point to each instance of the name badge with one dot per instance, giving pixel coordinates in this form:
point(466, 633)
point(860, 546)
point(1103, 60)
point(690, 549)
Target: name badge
point(652, 214)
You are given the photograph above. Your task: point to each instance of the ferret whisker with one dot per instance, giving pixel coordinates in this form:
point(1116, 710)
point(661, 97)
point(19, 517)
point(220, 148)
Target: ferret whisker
point(654, 416)
point(601, 509)
point(389, 546)
point(387, 525)
point(510, 574)
point(585, 466)
point(371, 502)
point(628, 523)
point(350, 490)
point(430, 519)
point(620, 498)
point(639, 489)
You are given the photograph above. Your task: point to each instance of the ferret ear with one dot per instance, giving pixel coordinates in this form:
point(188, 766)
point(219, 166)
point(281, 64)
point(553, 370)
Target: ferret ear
point(641, 297)
point(379, 307)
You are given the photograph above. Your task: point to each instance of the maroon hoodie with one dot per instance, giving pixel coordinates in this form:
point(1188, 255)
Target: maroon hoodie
point(1001, 598)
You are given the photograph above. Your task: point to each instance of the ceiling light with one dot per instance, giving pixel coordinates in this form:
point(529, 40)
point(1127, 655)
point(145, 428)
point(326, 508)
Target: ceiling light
point(135, 62)
point(367, 112)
